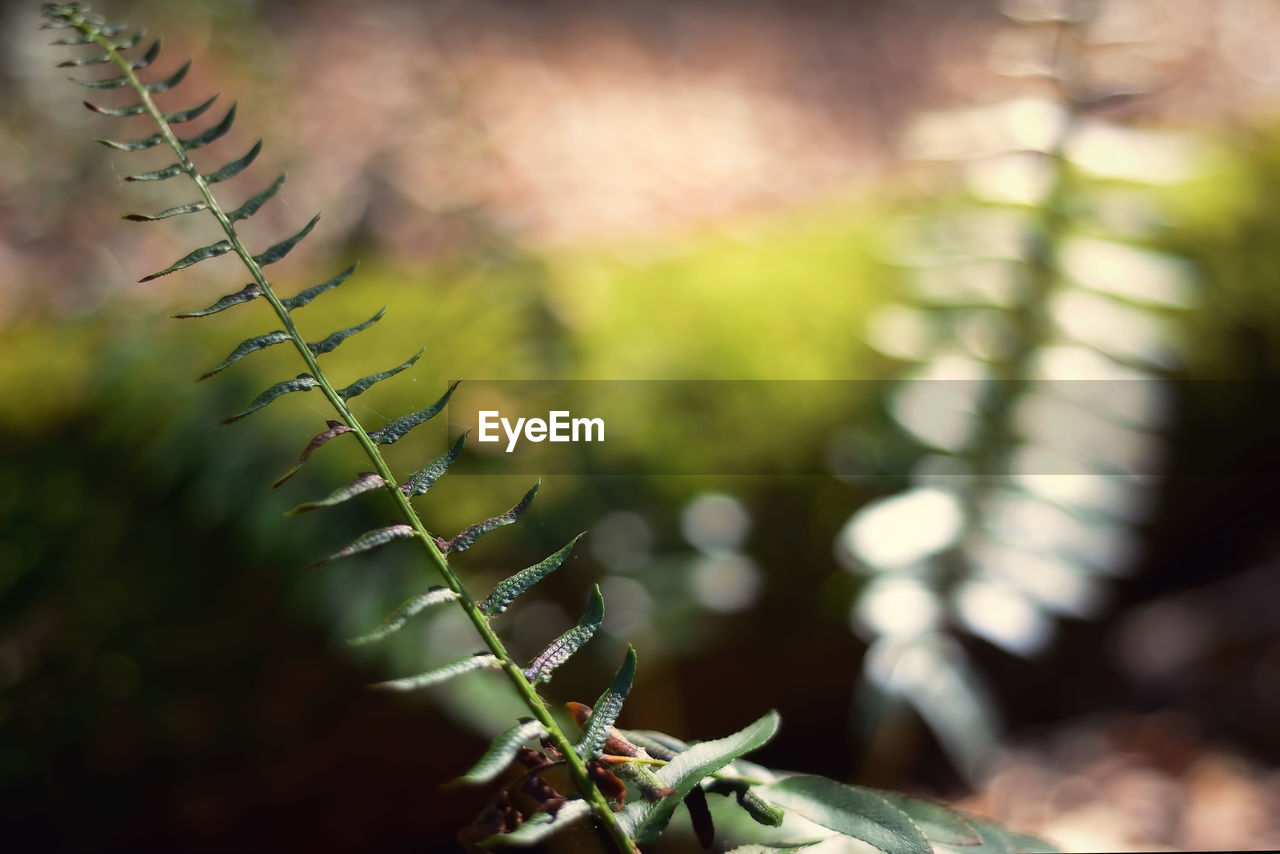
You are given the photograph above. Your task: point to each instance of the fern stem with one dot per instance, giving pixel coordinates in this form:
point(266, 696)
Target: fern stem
point(528, 694)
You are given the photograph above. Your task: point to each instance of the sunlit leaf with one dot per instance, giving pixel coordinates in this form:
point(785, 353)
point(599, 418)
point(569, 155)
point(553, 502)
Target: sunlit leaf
point(367, 482)
point(222, 247)
point(540, 826)
point(245, 294)
point(244, 348)
point(440, 674)
point(502, 751)
point(370, 541)
point(281, 249)
point(644, 820)
point(563, 647)
point(508, 589)
point(401, 615)
point(856, 812)
point(117, 112)
point(330, 343)
point(422, 480)
point(303, 382)
point(362, 385)
point(606, 709)
point(399, 428)
point(939, 822)
point(464, 540)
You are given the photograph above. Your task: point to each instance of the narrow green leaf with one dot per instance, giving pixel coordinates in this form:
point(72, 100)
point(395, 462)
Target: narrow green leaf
point(84, 39)
point(126, 43)
point(856, 812)
point(245, 294)
point(644, 820)
point(95, 59)
point(117, 112)
point(136, 145)
point(363, 384)
point(410, 607)
point(507, 590)
point(169, 82)
point(187, 115)
point(540, 826)
point(303, 382)
point(369, 541)
point(779, 848)
point(329, 344)
point(281, 249)
point(216, 132)
point(595, 732)
point(502, 751)
point(335, 428)
point(171, 171)
point(440, 674)
point(193, 207)
point(304, 297)
point(222, 247)
point(147, 58)
point(366, 482)
point(244, 348)
point(560, 650)
point(235, 167)
point(997, 839)
point(465, 539)
point(109, 83)
point(940, 823)
point(398, 429)
point(254, 203)
point(422, 480)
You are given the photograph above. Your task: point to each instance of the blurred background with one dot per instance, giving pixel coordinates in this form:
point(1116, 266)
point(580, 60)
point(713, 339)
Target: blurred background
point(1036, 239)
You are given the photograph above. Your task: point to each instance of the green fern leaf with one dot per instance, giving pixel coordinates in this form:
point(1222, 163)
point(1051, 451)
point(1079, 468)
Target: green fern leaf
point(422, 480)
point(563, 647)
point(190, 113)
point(169, 82)
point(250, 345)
point(595, 732)
point(222, 247)
point(466, 538)
point(333, 428)
point(370, 541)
point(362, 385)
point(502, 751)
point(303, 297)
point(117, 112)
point(507, 590)
point(254, 203)
point(164, 174)
point(855, 812)
point(644, 820)
point(400, 616)
point(192, 207)
point(245, 294)
point(329, 344)
point(284, 247)
point(137, 145)
point(235, 167)
point(398, 429)
point(303, 382)
point(367, 482)
point(445, 672)
point(216, 132)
